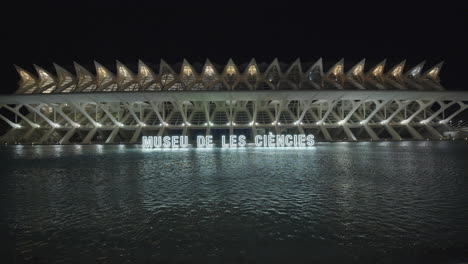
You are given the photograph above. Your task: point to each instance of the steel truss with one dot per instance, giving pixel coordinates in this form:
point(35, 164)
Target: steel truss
point(328, 120)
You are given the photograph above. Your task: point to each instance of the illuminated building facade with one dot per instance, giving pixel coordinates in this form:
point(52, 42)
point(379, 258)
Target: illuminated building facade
point(333, 104)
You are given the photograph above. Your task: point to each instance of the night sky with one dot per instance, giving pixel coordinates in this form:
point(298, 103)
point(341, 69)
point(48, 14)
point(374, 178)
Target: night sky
point(52, 32)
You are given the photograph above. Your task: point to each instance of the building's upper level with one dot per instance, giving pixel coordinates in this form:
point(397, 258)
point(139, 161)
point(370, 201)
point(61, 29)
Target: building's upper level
point(211, 77)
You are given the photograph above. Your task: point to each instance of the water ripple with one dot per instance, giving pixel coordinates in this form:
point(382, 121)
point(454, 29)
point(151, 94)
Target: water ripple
point(336, 202)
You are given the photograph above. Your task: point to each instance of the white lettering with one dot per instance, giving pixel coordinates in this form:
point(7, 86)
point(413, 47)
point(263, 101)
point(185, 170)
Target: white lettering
point(209, 141)
point(183, 141)
point(242, 141)
point(147, 141)
point(232, 141)
point(271, 140)
point(175, 142)
point(201, 142)
point(258, 141)
point(157, 141)
point(288, 140)
point(301, 139)
point(280, 140)
point(310, 140)
point(166, 142)
point(223, 142)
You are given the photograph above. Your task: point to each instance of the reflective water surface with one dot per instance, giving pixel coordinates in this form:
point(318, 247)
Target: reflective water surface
point(387, 202)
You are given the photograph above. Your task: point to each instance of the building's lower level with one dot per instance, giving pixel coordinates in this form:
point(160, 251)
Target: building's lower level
point(124, 117)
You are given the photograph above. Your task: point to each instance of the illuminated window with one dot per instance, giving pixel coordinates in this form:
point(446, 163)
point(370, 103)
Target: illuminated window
point(252, 70)
point(433, 72)
point(357, 70)
point(122, 71)
point(43, 73)
point(25, 76)
point(230, 70)
point(378, 70)
point(144, 71)
point(187, 71)
point(338, 69)
point(397, 71)
point(209, 70)
point(415, 71)
point(102, 72)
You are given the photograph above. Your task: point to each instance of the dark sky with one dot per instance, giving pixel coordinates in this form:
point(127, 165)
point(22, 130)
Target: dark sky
point(62, 33)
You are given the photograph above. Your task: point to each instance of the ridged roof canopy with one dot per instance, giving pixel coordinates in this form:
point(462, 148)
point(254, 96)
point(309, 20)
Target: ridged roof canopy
point(205, 76)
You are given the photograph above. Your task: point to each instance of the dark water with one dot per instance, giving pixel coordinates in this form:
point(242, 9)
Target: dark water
point(392, 202)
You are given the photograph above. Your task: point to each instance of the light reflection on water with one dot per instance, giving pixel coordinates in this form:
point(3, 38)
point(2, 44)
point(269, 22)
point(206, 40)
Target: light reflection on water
point(353, 202)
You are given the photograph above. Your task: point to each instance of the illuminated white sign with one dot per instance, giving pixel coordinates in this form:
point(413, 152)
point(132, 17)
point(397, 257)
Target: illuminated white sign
point(231, 141)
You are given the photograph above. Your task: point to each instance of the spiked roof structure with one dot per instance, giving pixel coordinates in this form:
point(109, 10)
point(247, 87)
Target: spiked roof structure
point(230, 77)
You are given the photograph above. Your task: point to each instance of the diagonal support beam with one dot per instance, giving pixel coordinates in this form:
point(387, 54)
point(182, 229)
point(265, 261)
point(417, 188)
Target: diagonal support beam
point(89, 136)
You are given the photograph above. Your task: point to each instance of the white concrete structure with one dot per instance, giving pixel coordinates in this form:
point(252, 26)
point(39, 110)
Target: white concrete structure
point(358, 104)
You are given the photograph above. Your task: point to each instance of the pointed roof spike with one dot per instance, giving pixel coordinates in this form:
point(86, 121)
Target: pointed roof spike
point(144, 69)
point(416, 70)
point(24, 73)
point(62, 73)
point(164, 64)
point(102, 73)
point(338, 68)
point(145, 74)
point(297, 63)
point(80, 70)
point(249, 68)
point(27, 79)
point(231, 67)
point(209, 68)
point(274, 63)
point(45, 78)
point(276, 76)
point(187, 68)
point(357, 69)
point(123, 71)
point(433, 72)
point(378, 69)
point(42, 73)
point(59, 70)
point(397, 69)
point(319, 64)
point(83, 75)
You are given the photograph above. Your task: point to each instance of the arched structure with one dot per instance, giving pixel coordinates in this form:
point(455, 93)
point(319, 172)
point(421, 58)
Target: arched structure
point(381, 102)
